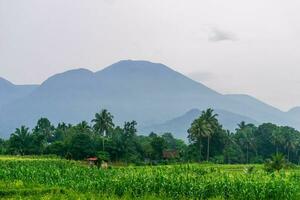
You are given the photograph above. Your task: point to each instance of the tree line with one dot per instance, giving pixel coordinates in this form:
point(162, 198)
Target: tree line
point(208, 141)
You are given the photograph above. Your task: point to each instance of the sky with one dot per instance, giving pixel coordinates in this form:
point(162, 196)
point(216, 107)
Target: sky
point(233, 46)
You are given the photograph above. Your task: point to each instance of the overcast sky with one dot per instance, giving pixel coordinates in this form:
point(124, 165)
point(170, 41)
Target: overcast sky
point(232, 46)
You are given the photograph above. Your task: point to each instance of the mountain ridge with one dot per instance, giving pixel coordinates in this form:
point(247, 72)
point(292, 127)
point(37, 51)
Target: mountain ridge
point(180, 124)
point(150, 93)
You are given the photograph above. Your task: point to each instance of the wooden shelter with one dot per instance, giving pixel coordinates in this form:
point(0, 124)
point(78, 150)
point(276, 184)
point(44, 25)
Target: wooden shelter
point(92, 161)
point(170, 154)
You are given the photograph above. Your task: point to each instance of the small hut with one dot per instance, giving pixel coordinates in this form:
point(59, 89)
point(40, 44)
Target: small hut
point(93, 161)
point(170, 154)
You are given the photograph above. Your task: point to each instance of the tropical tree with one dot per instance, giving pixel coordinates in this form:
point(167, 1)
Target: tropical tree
point(204, 126)
point(129, 141)
point(45, 129)
point(277, 138)
point(245, 135)
point(81, 146)
point(84, 127)
point(20, 140)
point(290, 140)
point(241, 125)
point(158, 145)
point(196, 131)
point(103, 124)
point(210, 119)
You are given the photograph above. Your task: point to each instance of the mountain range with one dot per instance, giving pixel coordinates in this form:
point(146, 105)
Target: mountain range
point(157, 97)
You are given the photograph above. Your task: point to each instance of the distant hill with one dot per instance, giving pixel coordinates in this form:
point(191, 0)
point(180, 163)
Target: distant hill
point(179, 125)
point(10, 92)
point(147, 92)
point(294, 113)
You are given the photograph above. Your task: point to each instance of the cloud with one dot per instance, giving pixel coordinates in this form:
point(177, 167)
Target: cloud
point(217, 35)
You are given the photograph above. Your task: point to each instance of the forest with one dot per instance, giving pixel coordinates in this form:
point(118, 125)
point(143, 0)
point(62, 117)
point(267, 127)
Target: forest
point(208, 141)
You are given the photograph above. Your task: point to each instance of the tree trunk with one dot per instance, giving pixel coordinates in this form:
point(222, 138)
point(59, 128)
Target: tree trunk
point(276, 150)
point(103, 147)
point(247, 154)
point(200, 151)
point(288, 156)
point(207, 156)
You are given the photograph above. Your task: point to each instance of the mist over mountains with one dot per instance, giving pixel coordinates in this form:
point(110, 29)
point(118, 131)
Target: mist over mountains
point(157, 97)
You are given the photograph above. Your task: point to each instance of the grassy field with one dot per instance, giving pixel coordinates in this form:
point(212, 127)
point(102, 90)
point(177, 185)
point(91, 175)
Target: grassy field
point(53, 178)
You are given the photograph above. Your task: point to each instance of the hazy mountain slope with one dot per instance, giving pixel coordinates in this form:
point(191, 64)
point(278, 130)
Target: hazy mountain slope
point(179, 125)
point(149, 93)
point(253, 107)
point(294, 113)
point(10, 92)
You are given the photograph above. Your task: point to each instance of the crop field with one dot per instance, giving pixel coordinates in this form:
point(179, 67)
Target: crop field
point(51, 178)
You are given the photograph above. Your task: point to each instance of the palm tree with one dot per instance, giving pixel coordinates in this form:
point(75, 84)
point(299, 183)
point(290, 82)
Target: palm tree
point(20, 139)
point(290, 141)
point(212, 124)
point(247, 139)
point(103, 124)
point(83, 127)
point(276, 138)
point(204, 126)
point(198, 129)
point(241, 125)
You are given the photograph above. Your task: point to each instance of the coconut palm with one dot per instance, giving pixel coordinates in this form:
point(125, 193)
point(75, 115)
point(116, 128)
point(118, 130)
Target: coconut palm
point(20, 139)
point(241, 126)
point(210, 119)
point(204, 126)
point(83, 127)
point(103, 124)
point(247, 140)
point(290, 140)
point(277, 138)
point(198, 129)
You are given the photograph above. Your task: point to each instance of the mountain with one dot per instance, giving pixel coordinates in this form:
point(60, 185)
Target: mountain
point(150, 93)
point(179, 125)
point(259, 110)
point(294, 113)
point(10, 92)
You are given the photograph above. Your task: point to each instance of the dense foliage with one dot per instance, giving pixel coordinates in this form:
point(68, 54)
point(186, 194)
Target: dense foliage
point(208, 141)
point(170, 181)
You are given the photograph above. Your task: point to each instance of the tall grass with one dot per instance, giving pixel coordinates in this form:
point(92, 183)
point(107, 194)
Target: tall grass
point(174, 182)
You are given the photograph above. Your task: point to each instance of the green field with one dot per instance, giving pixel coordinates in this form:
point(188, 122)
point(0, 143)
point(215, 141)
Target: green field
point(51, 178)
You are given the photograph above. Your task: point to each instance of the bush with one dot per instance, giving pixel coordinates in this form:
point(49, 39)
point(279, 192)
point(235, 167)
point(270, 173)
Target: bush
point(276, 163)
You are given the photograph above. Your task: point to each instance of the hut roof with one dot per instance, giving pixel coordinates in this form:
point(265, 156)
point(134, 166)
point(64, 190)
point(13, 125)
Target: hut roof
point(92, 159)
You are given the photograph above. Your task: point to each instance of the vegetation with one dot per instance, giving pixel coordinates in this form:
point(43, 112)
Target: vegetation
point(53, 178)
point(35, 166)
point(208, 141)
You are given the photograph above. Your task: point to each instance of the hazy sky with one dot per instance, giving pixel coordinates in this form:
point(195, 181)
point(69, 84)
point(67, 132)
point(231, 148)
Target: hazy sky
point(233, 46)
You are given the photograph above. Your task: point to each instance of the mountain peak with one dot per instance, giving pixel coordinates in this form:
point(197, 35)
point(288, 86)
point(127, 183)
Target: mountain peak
point(134, 66)
point(146, 75)
point(70, 75)
point(79, 71)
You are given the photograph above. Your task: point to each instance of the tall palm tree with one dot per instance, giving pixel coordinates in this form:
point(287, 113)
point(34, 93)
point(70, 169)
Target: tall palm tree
point(103, 124)
point(247, 140)
point(212, 124)
point(198, 129)
point(277, 138)
point(204, 126)
point(290, 140)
